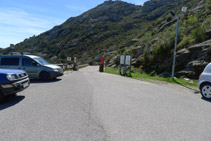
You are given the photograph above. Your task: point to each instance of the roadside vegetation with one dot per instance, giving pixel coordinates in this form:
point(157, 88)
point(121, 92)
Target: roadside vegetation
point(147, 33)
point(155, 78)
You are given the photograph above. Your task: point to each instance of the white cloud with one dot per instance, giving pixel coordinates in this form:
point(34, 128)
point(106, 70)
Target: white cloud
point(16, 25)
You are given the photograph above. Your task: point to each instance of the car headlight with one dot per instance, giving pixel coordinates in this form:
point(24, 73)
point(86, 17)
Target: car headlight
point(11, 77)
point(56, 70)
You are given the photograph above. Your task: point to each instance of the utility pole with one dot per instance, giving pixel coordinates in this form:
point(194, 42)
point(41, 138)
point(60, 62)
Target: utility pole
point(175, 49)
point(184, 9)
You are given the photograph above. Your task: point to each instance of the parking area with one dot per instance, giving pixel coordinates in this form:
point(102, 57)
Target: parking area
point(88, 105)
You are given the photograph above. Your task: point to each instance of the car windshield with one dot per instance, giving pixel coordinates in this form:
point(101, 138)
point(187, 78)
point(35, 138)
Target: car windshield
point(41, 61)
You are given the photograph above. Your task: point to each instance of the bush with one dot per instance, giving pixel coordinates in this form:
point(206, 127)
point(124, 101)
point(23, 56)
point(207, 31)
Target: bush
point(208, 5)
point(191, 21)
point(169, 18)
point(199, 34)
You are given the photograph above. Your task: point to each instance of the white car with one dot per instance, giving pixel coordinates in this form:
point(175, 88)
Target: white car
point(204, 82)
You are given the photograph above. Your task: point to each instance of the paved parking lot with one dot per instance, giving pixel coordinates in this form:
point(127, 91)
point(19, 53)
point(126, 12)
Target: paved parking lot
point(92, 106)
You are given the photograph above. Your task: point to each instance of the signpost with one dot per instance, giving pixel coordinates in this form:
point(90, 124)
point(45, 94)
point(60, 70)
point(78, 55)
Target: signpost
point(128, 62)
point(74, 59)
point(68, 62)
point(125, 61)
point(68, 58)
point(122, 63)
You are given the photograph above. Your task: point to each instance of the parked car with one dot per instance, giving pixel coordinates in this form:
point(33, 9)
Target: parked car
point(204, 82)
point(35, 66)
point(12, 81)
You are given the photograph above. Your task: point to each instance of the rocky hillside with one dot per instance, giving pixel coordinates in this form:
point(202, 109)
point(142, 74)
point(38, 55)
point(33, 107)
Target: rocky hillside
point(146, 32)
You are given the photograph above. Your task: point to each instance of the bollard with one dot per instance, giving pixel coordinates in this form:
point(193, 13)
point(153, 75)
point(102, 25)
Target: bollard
point(63, 67)
point(101, 69)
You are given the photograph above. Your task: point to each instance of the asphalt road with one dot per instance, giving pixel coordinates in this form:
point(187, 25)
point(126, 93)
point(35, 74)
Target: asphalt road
point(92, 106)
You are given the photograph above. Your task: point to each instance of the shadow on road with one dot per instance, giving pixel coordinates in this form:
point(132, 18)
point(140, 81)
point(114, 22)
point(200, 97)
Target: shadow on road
point(10, 101)
point(42, 81)
point(195, 91)
point(206, 99)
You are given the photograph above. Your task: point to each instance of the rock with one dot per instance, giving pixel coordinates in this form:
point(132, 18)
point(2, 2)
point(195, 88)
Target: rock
point(154, 40)
point(195, 48)
point(199, 7)
point(137, 51)
point(186, 79)
point(190, 82)
point(183, 55)
point(167, 24)
point(196, 64)
point(136, 63)
point(183, 51)
point(197, 67)
point(165, 74)
point(135, 40)
point(131, 42)
point(112, 61)
point(199, 46)
point(186, 73)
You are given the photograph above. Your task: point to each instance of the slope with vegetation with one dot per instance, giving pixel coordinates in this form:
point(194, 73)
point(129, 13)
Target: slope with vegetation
point(146, 32)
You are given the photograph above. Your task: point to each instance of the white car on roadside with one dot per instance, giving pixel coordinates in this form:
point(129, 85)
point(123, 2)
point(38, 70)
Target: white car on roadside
point(204, 82)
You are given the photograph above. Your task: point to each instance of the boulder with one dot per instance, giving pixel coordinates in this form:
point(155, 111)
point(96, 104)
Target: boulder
point(197, 66)
point(112, 61)
point(183, 55)
point(136, 62)
point(137, 51)
point(183, 51)
point(199, 46)
point(186, 73)
point(195, 48)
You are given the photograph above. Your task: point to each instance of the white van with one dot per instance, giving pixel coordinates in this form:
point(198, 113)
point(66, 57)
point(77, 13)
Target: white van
point(35, 66)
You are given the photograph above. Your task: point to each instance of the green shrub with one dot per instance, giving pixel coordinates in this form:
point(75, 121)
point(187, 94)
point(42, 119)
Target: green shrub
point(189, 24)
point(199, 34)
point(169, 18)
point(187, 40)
point(208, 5)
point(191, 20)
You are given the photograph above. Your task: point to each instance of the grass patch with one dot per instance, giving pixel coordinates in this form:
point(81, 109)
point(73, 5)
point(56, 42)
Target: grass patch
point(154, 79)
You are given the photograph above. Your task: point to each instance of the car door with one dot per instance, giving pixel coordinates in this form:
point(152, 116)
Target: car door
point(30, 66)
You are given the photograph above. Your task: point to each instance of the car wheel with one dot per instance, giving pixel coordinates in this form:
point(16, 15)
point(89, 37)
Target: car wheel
point(44, 76)
point(206, 91)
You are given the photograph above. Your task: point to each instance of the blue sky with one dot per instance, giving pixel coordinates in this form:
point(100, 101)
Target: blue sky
point(21, 19)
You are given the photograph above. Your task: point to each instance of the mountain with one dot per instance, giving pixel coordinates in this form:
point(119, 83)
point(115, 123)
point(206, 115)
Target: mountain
point(146, 32)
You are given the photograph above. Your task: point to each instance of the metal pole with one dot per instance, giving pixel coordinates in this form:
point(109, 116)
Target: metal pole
point(130, 65)
point(175, 49)
point(125, 66)
point(120, 69)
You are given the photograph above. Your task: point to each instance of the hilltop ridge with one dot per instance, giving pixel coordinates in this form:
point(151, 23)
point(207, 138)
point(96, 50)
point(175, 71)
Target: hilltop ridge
point(115, 27)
